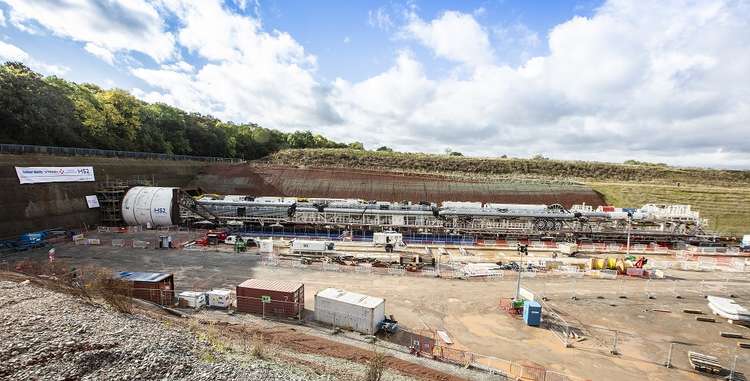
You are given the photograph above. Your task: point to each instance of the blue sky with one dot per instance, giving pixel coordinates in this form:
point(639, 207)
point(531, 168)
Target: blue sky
point(339, 33)
point(593, 80)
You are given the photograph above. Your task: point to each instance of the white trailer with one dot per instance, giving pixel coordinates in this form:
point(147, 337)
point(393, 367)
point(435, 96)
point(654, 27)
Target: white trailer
point(358, 312)
point(389, 239)
point(310, 246)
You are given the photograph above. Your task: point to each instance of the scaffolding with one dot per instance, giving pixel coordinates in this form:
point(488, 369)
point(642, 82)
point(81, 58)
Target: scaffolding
point(110, 195)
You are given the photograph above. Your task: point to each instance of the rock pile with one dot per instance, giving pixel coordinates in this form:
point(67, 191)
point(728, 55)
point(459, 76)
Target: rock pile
point(47, 335)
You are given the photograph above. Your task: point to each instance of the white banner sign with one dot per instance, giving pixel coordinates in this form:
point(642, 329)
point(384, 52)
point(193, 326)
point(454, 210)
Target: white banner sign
point(93, 201)
point(36, 175)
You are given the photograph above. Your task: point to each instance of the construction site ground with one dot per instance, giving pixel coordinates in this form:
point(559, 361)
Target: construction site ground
point(645, 316)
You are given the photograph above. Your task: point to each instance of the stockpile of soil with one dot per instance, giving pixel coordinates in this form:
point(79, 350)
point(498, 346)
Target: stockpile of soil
point(263, 180)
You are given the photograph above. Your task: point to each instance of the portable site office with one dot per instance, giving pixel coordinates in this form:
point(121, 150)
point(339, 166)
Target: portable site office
point(361, 313)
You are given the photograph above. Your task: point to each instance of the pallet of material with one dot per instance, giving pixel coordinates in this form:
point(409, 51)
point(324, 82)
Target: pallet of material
point(704, 363)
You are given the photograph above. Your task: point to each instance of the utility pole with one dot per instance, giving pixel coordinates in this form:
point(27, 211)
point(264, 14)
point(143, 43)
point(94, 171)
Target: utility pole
point(522, 249)
point(630, 220)
point(518, 285)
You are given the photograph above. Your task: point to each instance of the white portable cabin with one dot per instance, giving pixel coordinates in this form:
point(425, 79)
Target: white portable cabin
point(358, 312)
point(219, 298)
point(310, 246)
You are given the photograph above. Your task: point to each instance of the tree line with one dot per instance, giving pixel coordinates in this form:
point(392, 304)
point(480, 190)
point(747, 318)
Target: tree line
point(51, 111)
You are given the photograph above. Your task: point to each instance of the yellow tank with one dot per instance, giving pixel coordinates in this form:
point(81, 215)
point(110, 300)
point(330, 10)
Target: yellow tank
point(612, 263)
point(597, 263)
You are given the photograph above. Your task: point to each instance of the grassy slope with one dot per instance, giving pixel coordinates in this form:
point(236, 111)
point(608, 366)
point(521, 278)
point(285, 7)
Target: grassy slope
point(510, 168)
point(722, 196)
point(727, 208)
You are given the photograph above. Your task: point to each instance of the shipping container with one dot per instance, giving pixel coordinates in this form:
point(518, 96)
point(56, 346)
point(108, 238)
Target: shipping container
point(532, 313)
point(219, 298)
point(193, 299)
point(358, 312)
point(154, 287)
point(271, 297)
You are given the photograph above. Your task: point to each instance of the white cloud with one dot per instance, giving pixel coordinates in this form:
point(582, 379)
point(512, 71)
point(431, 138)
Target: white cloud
point(655, 81)
point(454, 35)
point(119, 25)
point(651, 81)
point(379, 18)
point(179, 66)
point(516, 42)
point(2, 18)
point(661, 81)
point(10, 52)
point(100, 52)
point(347, 39)
point(251, 75)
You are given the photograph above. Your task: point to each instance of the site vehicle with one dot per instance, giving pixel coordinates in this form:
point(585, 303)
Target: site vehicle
point(220, 234)
point(234, 239)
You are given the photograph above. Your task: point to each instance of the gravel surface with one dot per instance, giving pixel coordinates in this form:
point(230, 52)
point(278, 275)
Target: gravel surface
point(45, 335)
